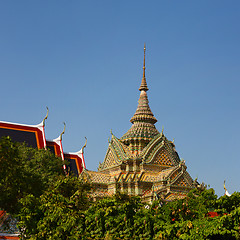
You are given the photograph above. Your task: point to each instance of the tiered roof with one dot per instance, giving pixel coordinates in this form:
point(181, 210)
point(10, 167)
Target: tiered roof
point(143, 120)
point(143, 161)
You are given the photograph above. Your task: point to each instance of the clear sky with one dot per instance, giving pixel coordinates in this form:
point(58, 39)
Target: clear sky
point(83, 59)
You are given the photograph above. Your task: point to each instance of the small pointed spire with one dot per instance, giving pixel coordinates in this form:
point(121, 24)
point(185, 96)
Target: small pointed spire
point(144, 82)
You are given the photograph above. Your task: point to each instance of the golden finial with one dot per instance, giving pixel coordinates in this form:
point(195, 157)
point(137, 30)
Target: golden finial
point(226, 191)
point(162, 129)
point(144, 83)
point(111, 132)
point(144, 60)
point(173, 140)
point(63, 131)
point(45, 117)
point(224, 185)
point(84, 144)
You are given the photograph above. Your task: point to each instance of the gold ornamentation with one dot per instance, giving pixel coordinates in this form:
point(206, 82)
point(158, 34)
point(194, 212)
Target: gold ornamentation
point(63, 131)
point(45, 117)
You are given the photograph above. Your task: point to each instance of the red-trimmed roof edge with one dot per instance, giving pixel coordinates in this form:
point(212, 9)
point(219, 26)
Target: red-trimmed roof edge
point(39, 128)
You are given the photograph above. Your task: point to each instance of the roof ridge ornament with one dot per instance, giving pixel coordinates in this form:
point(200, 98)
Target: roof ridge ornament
point(226, 191)
point(63, 131)
point(85, 143)
point(45, 117)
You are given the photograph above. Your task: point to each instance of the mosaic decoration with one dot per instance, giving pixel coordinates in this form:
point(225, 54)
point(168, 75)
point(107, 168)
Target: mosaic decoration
point(162, 158)
point(110, 160)
point(143, 161)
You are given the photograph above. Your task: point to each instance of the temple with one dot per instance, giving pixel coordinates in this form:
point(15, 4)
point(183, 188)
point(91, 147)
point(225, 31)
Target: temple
point(34, 136)
point(143, 161)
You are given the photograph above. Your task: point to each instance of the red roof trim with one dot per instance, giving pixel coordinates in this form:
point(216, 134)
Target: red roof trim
point(77, 159)
point(40, 135)
point(9, 237)
point(57, 149)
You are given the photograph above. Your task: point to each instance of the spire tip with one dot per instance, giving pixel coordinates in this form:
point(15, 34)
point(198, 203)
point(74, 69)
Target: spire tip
point(144, 82)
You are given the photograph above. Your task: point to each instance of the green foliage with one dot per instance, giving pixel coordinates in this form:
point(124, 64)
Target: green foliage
point(113, 216)
point(24, 171)
point(50, 205)
point(58, 213)
point(228, 204)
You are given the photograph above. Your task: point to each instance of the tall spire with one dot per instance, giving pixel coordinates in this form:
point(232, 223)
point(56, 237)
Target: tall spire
point(143, 112)
point(143, 120)
point(143, 85)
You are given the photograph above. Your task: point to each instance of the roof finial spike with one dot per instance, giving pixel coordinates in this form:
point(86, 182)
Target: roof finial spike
point(144, 60)
point(63, 131)
point(224, 186)
point(85, 144)
point(226, 191)
point(144, 82)
point(45, 117)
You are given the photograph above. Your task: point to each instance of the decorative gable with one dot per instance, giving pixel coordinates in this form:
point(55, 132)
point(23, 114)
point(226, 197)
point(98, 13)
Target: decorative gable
point(160, 151)
point(181, 182)
point(162, 158)
point(110, 160)
point(119, 148)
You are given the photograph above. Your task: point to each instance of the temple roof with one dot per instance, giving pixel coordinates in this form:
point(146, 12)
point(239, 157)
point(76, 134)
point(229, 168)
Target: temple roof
point(143, 120)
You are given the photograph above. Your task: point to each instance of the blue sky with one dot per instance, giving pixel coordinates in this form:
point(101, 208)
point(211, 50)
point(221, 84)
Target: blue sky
point(83, 59)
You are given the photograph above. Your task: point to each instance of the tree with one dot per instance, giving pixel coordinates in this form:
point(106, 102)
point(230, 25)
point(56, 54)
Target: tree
point(58, 213)
point(51, 205)
point(112, 216)
point(23, 171)
point(188, 219)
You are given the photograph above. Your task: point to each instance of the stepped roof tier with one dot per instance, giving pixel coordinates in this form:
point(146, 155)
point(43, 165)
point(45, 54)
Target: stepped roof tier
point(143, 161)
point(143, 120)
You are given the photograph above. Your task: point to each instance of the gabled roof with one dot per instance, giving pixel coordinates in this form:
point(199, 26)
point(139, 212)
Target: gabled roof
point(76, 162)
point(32, 135)
point(116, 153)
point(55, 146)
point(155, 146)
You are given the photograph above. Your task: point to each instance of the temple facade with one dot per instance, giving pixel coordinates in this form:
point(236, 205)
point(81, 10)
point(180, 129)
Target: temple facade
point(143, 161)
